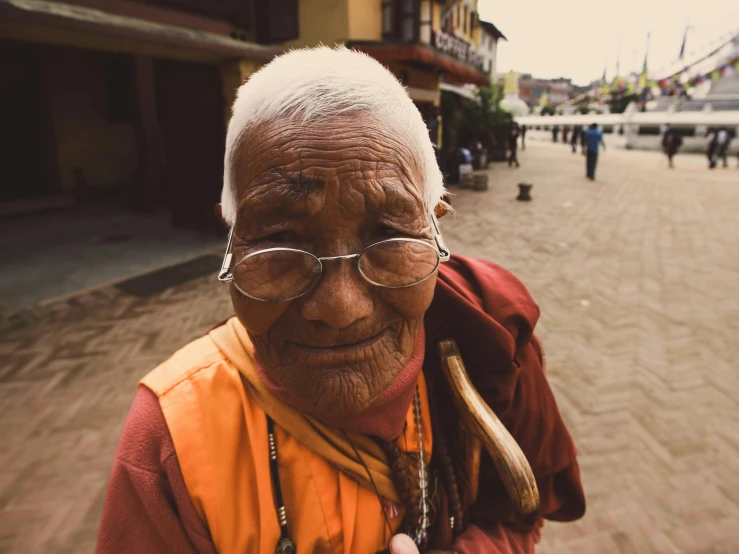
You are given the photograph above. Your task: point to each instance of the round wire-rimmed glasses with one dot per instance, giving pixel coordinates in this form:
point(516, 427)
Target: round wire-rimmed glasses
point(283, 274)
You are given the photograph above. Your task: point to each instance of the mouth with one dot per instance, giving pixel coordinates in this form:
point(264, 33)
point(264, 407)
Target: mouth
point(343, 348)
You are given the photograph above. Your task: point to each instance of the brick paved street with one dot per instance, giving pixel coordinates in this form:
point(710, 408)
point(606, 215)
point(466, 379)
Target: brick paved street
point(637, 275)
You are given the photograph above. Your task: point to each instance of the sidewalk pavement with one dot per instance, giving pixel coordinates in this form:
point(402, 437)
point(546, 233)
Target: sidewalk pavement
point(636, 275)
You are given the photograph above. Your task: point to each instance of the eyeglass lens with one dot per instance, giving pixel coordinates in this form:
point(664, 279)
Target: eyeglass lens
point(284, 274)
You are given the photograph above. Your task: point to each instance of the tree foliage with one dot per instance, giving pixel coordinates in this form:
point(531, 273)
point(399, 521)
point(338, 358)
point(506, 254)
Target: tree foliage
point(468, 121)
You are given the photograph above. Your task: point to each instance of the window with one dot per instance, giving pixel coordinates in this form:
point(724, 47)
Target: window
point(276, 21)
point(425, 22)
point(408, 20)
point(400, 20)
point(465, 20)
point(387, 18)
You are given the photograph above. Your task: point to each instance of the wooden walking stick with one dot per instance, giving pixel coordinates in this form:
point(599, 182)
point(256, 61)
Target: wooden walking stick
point(483, 428)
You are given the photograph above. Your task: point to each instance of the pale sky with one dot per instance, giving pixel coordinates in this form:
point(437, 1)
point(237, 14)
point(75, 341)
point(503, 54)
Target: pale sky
point(578, 38)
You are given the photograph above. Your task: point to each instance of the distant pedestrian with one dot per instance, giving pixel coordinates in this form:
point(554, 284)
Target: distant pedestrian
point(565, 132)
point(722, 145)
point(671, 142)
point(576, 135)
point(513, 135)
point(712, 140)
point(555, 133)
point(583, 145)
point(593, 142)
point(523, 137)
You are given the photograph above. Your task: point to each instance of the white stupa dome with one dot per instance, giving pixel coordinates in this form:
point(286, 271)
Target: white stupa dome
point(511, 101)
point(513, 104)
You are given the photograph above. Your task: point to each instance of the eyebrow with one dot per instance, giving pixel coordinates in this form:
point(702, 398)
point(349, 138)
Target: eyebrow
point(303, 185)
point(284, 192)
point(290, 193)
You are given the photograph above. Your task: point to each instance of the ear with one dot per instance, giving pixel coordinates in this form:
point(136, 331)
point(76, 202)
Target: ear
point(442, 208)
point(219, 214)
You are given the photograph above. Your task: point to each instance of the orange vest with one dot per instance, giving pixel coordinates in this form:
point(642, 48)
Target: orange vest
point(215, 412)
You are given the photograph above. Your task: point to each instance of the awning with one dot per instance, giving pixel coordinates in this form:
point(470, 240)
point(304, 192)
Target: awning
point(460, 90)
point(28, 19)
point(422, 95)
point(454, 71)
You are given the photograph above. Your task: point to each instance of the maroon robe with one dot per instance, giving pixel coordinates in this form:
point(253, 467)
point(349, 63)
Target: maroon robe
point(491, 315)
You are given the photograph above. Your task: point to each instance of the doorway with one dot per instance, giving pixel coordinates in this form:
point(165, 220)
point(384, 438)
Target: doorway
point(191, 107)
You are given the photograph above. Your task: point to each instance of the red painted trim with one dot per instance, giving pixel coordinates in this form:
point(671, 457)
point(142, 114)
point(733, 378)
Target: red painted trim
point(454, 71)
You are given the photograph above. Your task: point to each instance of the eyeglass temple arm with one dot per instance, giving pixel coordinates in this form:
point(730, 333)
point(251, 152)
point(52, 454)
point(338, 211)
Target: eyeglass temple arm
point(225, 274)
point(444, 253)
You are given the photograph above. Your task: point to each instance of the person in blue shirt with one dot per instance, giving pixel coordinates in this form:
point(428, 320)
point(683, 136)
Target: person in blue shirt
point(593, 140)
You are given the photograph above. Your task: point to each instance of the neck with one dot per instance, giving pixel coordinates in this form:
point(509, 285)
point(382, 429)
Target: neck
point(384, 417)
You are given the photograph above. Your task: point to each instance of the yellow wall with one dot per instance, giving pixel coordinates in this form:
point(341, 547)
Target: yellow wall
point(336, 21)
point(105, 151)
point(322, 21)
point(365, 19)
point(472, 35)
point(436, 16)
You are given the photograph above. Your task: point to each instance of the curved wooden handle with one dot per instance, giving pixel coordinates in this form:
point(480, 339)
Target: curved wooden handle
point(480, 420)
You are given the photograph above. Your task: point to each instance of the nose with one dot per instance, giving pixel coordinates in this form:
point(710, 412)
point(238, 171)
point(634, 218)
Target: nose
point(341, 297)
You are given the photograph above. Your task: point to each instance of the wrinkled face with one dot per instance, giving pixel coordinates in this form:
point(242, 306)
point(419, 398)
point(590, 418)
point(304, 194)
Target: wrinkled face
point(331, 188)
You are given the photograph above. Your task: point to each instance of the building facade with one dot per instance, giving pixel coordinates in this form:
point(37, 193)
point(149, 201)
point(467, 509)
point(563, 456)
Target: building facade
point(421, 41)
point(123, 100)
point(532, 90)
point(560, 91)
point(489, 48)
point(128, 101)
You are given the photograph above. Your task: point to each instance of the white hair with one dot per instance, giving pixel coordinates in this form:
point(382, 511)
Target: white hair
point(313, 83)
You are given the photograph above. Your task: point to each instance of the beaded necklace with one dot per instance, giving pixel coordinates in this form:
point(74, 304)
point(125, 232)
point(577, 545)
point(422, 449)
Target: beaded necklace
point(286, 544)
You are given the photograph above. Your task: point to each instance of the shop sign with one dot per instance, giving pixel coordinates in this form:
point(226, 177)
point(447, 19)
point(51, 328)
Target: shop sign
point(459, 49)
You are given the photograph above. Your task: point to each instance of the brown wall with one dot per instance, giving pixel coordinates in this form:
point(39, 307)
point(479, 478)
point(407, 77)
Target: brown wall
point(27, 166)
point(86, 138)
point(161, 14)
point(417, 77)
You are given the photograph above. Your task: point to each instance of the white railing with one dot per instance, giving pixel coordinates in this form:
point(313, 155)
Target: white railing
point(625, 127)
point(707, 119)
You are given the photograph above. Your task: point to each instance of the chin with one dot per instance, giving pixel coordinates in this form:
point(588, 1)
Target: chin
point(348, 383)
point(342, 392)
point(338, 381)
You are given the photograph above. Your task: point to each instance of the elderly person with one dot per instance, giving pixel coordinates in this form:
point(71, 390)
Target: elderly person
point(316, 419)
